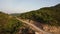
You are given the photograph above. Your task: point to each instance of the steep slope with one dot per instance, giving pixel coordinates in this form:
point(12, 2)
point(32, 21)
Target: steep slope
point(47, 15)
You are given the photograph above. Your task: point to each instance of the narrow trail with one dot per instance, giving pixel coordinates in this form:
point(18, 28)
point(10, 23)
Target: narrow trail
point(34, 27)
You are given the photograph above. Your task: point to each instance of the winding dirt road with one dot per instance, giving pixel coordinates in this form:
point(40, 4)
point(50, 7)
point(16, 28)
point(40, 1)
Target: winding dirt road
point(35, 28)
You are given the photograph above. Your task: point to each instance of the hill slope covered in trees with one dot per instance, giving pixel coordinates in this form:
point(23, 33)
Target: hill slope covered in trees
point(46, 15)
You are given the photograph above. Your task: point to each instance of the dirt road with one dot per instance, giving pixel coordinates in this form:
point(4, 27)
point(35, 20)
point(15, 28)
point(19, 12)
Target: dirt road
point(34, 27)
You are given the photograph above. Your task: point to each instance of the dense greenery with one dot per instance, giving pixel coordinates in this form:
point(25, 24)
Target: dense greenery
point(8, 24)
point(47, 15)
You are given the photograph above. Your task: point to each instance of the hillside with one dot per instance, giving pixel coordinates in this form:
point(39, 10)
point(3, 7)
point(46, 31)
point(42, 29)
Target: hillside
point(8, 24)
point(46, 15)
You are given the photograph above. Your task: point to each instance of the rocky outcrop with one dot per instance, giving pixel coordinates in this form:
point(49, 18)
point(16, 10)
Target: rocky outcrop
point(52, 29)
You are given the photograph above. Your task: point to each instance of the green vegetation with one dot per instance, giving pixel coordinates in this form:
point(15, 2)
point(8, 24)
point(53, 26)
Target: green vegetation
point(47, 15)
point(9, 24)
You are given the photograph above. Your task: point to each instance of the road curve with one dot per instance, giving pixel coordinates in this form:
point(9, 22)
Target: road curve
point(34, 27)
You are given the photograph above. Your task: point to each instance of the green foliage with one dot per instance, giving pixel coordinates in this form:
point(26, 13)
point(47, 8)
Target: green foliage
point(9, 24)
